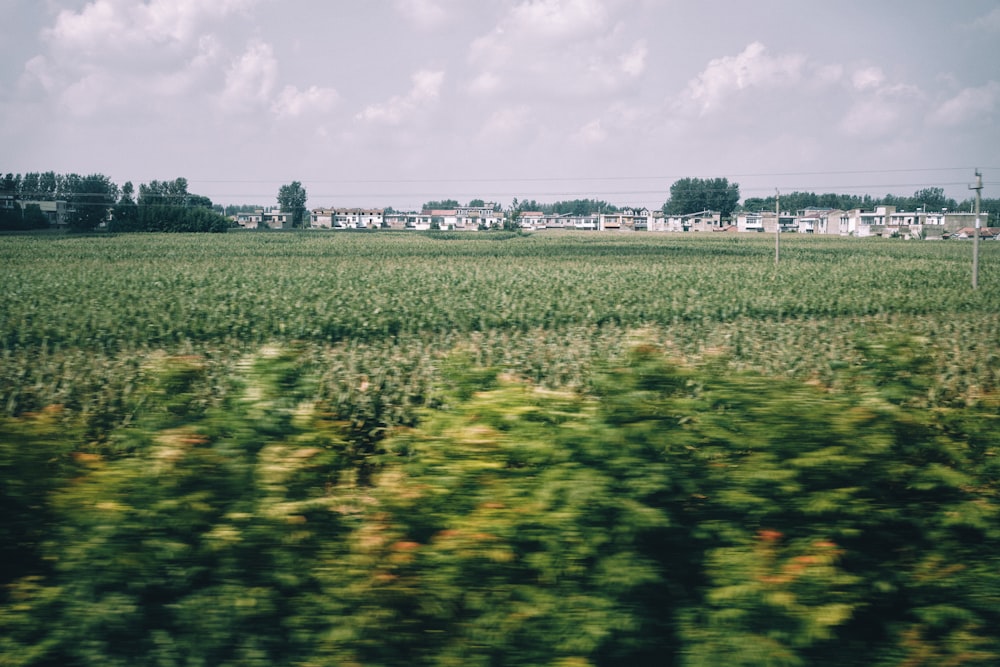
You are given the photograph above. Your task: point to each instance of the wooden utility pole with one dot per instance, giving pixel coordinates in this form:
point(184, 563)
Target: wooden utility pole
point(975, 238)
point(777, 226)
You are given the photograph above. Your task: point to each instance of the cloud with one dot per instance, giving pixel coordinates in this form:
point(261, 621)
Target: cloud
point(751, 68)
point(553, 48)
point(968, 105)
point(424, 14)
point(160, 57)
point(506, 122)
point(39, 70)
point(425, 90)
point(869, 118)
point(591, 133)
point(878, 108)
point(486, 83)
point(105, 26)
point(989, 22)
point(558, 19)
point(292, 102)
point(130, 55)
point(868, 78)
point(251, 77)
point(633, 62)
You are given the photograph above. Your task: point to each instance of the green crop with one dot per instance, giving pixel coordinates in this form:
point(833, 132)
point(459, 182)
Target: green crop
point(81, 315)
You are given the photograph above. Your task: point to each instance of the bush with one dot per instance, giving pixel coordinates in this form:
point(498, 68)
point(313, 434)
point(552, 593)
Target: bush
point(687, 515)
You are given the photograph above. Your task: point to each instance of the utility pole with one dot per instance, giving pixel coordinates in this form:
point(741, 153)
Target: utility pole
point(975, 238)
point(777, 226)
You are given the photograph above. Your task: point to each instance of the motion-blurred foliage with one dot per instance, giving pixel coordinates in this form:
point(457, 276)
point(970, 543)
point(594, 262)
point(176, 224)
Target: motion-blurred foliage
point(671, 514)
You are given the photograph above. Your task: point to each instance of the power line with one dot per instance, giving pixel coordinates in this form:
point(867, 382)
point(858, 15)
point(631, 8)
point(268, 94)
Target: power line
point(556, 179)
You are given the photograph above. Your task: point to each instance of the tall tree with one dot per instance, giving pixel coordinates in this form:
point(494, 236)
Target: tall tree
point(292, 199)
point(30, 188)
point(691, 195)
point(10, 184)
point(89, 197)
point(48, 185)
point(125, 216)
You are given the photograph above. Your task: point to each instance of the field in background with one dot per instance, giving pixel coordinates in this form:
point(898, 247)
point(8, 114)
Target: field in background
point(81, 316)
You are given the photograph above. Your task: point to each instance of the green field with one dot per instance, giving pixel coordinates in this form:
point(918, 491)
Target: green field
point(80, 315)
point(563, 448)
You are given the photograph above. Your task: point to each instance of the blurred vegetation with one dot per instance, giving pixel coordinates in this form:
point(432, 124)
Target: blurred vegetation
point(671, 514)
point(573, 449)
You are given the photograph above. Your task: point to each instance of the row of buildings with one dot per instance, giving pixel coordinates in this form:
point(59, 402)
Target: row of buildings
point(882, 221)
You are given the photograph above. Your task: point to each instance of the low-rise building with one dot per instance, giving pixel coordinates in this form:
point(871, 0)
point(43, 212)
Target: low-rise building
point(250, 220)
point(321, 218)
point(357, 218)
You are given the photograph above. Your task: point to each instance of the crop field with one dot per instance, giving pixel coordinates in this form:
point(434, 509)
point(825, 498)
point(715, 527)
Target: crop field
point(573, 449)
point(80, 316)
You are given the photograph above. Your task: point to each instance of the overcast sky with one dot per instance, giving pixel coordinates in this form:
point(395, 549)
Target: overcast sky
point(395, 102)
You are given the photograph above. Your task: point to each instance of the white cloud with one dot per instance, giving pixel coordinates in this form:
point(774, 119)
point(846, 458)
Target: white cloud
point(989, 22)
point(292, 102)
point(559, 19)
point(869, 118)
point(424, 14)
point(554, 48)
point(485, 83)
point(116, 25)
point(124, 54)
point(591, 133)
point(751, 68)
point(967, 105)
point(868, 78)
point(39, 69)
point(200, 67)
point(633, 62)
point(251, 77)
point(425, 90)
point(94, 91)
point(503, 123)
point(879, 108)
point(154, 55)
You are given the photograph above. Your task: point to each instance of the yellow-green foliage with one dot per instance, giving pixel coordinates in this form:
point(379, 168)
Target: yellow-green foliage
point(674, 514)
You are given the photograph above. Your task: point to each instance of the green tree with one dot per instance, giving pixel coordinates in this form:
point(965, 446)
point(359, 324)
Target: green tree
point(32, 217)
point(292, 199)
point(10, 214)
point(444, 204)
point(125, 217)
point(692, 195)
point(90, 198)
point(512, 220)
point(167, 206)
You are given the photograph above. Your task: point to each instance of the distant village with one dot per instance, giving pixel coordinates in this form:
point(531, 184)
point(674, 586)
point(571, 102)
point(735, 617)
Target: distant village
point(884, 221)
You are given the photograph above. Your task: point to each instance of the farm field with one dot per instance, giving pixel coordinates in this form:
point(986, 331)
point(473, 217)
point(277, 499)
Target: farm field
point(81, 315)
point(562, 448)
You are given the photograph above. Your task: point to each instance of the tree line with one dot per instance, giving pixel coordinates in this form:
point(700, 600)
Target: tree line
point(95, 200)
point(168, 205)
point(692, 195)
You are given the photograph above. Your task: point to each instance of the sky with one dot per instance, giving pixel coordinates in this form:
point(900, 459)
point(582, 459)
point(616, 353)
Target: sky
point(396, 102)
